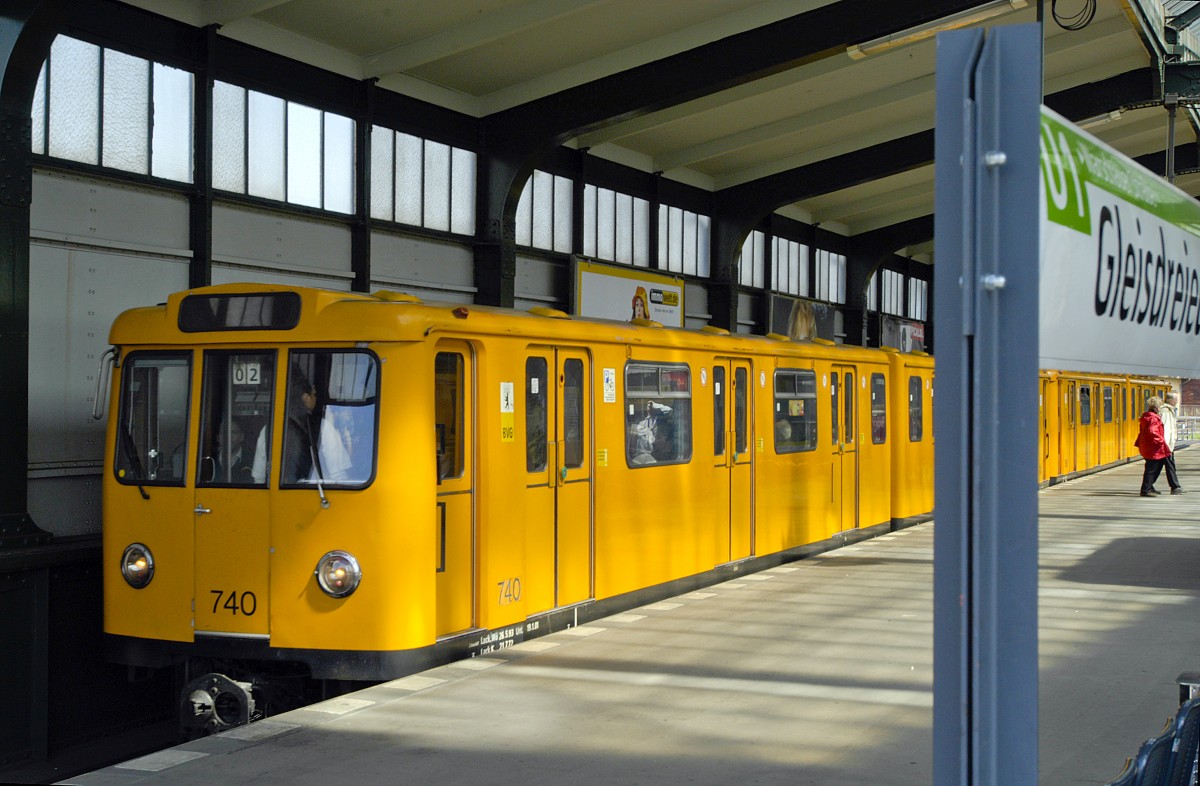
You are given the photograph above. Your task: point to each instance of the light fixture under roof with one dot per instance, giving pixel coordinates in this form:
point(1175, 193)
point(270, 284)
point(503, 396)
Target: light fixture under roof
point(1100, 119)
point(931, 28)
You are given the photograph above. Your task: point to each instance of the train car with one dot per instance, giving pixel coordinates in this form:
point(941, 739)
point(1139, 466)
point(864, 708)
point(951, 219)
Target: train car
point(1090, 421)
point(367, 485)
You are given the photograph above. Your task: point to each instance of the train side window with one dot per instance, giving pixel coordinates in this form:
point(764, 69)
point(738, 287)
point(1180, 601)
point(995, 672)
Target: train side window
point(535, 414)
point(1108, 405)
point(331, 418)
point(916, 410)
point(448, 393)
point(848, 402)
point(658, 414)
point(572, 404)
point(835, 405)
point(152, 431)
point(718, 410)
point(878, 409)
point(1085, 405)
point(795, 410)
point(741, 388)
point(235, 418)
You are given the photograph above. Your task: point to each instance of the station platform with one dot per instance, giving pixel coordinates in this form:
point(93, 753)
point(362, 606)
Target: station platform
point(815, 672)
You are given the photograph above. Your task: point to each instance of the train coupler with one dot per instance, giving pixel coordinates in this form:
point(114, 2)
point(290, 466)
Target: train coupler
point(214, 703)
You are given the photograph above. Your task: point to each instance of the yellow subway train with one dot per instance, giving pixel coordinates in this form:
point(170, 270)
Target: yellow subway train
point(357, 487)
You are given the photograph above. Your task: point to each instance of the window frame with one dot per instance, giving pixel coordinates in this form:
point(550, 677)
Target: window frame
point(813, 441)
point(659, 367)
point(119, 465)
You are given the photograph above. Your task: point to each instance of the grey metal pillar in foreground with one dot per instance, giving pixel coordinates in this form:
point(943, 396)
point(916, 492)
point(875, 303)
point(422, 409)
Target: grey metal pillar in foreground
point(985, 412)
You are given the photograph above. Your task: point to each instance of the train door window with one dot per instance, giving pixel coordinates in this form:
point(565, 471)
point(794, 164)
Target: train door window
point(235, 418)
point(835, 405)
point(718, 410)
point(535, 414)
point(916, 409)
point(1108, 405)
point(153, 429)
point(448, 413)
point(795, 411)
point(848, 402)
point(1085, 405)
point(741, 388)
point(331, 419)
point(573, 413)
point(878, 409)
point(658, 414)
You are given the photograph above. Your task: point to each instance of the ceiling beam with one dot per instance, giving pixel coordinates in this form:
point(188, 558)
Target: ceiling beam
point(804, 38)
point(482, 29)
point(222, 12)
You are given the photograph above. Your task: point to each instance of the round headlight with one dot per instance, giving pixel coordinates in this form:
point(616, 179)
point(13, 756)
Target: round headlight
point(137, 565)
point(338, 574)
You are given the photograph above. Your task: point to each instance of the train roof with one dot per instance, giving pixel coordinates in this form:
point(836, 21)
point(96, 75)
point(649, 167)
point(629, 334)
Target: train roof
point(245, 313)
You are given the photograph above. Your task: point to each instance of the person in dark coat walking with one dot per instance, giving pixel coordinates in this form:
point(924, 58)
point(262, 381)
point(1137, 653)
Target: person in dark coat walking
point(1152, 445)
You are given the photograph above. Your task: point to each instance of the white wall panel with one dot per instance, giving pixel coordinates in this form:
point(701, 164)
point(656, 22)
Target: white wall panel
point(75, 293)
point(399, 262)
point(541, 282)
point(257, 237)
point(73, 208)
point(234, 274)
point(695, 305)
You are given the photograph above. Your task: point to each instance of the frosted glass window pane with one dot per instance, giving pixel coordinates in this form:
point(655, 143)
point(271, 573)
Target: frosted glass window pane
point(171, 142)
point(339, 163)
point(266, 145)
point(462, 192)
point(382, 172)
point(74, 100)
point(563, 193)
point(663, 234)
point(303, 155)
point(589, 221)
point(542, 185)
point(675, 242)
point(872, 287)
point(689, 242)
point(623, 228)
point(641, 233)
point(126, 109)
point(794, 271)
point(802, 287)
point(777, 277)
point(605, 229)
point(703, 252)
point(841, 278)
point(746, 262)
point(760, 260)
point(525, 215)
point(229, 137)
point(437, 186)
point(38, 113)
point(409, 166)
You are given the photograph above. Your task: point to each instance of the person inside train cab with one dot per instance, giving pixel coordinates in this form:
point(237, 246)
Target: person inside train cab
point(312, 447)
point(1151, 444)
point(239, 462)
point(1170, 419)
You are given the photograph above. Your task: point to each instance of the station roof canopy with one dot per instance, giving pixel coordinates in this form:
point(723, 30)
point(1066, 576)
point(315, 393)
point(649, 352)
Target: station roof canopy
point(830, 103)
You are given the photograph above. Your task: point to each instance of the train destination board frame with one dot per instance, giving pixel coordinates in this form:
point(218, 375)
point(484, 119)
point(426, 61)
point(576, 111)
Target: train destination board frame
point(1119, 261)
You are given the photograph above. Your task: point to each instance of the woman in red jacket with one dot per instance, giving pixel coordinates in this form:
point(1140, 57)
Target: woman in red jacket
point(1151, 444)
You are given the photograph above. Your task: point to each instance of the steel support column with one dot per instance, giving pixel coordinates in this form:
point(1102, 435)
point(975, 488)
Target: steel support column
point(985, 543)
point(27, 28)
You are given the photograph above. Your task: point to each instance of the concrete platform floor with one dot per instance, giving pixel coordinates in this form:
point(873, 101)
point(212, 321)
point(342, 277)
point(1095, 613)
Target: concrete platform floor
point(818, 672)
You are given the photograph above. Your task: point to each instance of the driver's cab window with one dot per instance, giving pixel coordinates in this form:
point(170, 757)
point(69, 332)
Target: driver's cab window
point(153, 428)
point(235, 419)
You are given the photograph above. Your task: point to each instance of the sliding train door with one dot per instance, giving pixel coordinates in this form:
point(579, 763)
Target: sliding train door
point(454, 417)
point(733, 419)
point(559, 478)
point(845, 445)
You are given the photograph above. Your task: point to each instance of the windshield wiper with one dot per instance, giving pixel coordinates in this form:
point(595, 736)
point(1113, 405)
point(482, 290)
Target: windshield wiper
point(134, 461)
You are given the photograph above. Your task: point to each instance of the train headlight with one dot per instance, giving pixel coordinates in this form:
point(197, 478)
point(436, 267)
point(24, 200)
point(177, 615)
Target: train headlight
point(137, 565)
point(338, 574)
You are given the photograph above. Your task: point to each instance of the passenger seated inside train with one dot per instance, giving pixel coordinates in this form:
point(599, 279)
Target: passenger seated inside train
point(650, 437)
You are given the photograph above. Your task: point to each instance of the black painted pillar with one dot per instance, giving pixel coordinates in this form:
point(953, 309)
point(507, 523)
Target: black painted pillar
point(27, 28)
point(200, 208)
point(505, 163)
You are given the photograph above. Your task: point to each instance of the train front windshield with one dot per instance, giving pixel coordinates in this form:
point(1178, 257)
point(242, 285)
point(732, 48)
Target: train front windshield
point(328, 416)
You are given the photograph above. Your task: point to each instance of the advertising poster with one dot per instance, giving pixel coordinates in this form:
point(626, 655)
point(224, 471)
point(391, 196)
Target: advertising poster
point(625, 293)
point(800, 319)
point(1120, 261)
